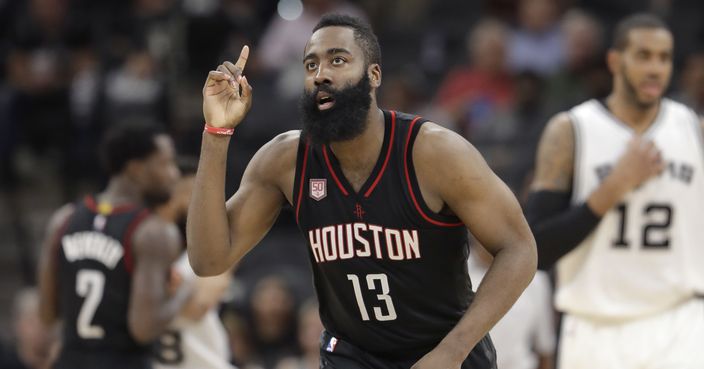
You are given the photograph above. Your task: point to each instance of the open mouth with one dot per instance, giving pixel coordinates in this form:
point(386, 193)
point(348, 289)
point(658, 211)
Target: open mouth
point(325, 101)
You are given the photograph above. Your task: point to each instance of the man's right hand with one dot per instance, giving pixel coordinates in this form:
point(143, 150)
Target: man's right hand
point(641, 161)
point(227, 95)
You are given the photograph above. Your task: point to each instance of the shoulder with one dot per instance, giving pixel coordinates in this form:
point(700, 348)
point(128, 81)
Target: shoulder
point(280, 153)
point(560, 124)
point(156, 237)
point(440, 145)
point(59, 218)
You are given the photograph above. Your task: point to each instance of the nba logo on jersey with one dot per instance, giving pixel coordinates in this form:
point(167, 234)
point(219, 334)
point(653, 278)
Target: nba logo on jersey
point(318, 188)
point(331, 344)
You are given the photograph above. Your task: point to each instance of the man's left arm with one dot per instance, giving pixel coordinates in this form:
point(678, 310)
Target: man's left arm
point(452, 172)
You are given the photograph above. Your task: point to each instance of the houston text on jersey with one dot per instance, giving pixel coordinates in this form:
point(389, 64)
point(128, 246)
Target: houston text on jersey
point(345, 241)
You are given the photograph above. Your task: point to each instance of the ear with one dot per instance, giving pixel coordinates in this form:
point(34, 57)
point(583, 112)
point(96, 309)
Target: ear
point(374, 72)
point(613, 60)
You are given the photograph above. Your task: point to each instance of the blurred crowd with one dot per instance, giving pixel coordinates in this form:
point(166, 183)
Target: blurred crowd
point(492, 70)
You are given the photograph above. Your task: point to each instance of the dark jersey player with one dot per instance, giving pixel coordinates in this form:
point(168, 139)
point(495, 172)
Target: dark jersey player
point(104, 268)
point(383, 199)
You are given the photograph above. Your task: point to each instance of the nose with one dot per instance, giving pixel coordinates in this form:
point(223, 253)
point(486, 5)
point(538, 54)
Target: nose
point(322, 77)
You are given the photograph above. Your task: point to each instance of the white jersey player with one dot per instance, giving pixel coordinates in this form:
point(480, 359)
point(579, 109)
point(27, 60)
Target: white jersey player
point(616, 203)
point(197, 338)
point(525, 337)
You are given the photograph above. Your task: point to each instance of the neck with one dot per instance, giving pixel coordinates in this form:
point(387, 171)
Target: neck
point(364, 149)
point(121, 190)
point(637, 117)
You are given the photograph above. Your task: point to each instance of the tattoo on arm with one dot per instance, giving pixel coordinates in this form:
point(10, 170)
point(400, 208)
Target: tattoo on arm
point(555, 156)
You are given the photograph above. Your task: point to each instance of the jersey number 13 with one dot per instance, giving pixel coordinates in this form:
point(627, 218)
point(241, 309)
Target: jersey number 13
point(383, 285)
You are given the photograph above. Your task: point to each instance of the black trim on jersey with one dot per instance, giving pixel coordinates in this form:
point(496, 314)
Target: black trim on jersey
point(379, 168)
point(300, 176)
point(425, 212)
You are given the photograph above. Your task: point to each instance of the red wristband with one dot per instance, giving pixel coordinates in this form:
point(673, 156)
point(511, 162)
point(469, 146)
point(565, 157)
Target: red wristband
point(218, 131)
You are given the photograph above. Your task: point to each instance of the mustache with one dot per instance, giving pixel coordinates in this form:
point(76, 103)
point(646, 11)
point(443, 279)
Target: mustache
point(323, 88)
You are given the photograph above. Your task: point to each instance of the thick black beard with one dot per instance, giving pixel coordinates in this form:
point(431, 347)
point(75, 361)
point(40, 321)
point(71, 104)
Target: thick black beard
point(344, 121)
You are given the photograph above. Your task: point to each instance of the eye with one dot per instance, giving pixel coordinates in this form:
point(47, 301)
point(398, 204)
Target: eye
point(338, 60)
point(311, 66)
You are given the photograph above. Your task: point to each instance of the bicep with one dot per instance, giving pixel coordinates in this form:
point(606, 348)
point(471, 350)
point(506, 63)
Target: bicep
point(487, 206)
point(555, 156)
point(253, 209)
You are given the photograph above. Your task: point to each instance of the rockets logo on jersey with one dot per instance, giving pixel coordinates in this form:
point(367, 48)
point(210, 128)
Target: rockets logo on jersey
point(346, 241)
point(318, 188)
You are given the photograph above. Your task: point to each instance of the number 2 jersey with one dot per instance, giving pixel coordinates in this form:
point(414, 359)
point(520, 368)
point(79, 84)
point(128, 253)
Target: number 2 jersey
point(390, 274)
point(95, 262)
point(647, 253)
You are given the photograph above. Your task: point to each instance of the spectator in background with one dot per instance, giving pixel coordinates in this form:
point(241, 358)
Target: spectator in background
point(536, 44)
point(406, 90)
point(37, 68)
point(309, 330)
point(584, 74)
point(280, 47)
point(473, 95)
point(273, 318)
point(240, 338)
point(691, 86)
point(135, 91)
point(525, 337)
point(85, 98)
point(33, 343)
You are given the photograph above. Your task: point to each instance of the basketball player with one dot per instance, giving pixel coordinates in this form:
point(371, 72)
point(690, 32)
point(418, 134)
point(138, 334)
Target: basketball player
point(105, 261)
point(617, 201)
point(196, 338)
point(382, 198)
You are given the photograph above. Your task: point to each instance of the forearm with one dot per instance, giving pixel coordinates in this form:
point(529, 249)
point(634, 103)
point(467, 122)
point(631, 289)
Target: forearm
point(146, 327)
point(206, 295)
point(557, 227)
point(207, 228)
point(607, 195)
point(511, 271)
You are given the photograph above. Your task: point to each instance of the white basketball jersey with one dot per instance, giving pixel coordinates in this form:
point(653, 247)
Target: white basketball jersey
point(647, 253)
point(192, 344)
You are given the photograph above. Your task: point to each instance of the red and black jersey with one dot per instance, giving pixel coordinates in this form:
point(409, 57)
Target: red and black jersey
point(95, 261)
point(390, 274)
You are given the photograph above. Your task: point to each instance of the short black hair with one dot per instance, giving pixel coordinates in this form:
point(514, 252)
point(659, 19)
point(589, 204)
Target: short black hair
point(126, 142)
point(635, 21)
point(363, 34)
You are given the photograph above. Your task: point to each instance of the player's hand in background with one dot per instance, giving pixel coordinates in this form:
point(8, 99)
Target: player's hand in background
point(227, 95)
point(641, 161)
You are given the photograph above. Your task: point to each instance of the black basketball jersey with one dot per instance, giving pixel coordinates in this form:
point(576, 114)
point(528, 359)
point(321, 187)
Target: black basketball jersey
point(95, 262)
point(390, 274)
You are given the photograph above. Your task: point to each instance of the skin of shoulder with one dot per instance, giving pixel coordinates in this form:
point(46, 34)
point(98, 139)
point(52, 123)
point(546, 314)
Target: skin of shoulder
point(555, 156)
point(275, 163)
point(442, 159)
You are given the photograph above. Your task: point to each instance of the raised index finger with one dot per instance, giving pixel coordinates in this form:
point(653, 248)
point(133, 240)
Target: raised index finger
point(242, 60)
